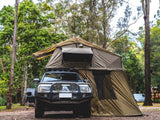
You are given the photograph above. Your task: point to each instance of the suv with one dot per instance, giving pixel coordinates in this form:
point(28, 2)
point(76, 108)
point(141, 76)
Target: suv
point(63, 90)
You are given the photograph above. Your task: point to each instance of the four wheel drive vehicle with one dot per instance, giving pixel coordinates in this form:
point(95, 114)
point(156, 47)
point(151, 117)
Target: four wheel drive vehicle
point(63, 90)
point(30, 95)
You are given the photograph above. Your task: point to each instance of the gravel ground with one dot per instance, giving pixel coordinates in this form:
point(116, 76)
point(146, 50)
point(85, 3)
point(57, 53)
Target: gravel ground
point(149, 113)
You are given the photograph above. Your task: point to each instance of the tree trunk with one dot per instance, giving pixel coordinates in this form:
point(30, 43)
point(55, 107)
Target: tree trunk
point(22, 89)
point(145, 5)
point(104, 24)
point(25, 85)
point(17, 96)
point(9, 99)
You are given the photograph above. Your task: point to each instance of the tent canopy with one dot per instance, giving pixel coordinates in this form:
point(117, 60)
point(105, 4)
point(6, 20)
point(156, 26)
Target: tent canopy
point(49, 51)
point(75, 50)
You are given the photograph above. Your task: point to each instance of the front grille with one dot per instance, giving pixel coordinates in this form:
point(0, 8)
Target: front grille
point(65, 87)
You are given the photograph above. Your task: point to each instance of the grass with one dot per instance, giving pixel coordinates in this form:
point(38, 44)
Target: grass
point(14, 107)
point(2, 108)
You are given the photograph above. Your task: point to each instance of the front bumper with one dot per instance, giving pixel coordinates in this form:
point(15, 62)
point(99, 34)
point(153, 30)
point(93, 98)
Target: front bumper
point(54, 98)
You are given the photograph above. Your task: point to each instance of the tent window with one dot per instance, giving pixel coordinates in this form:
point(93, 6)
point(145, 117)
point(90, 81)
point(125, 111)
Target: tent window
point(104, 85)
point(108, 88)
point(77, 54)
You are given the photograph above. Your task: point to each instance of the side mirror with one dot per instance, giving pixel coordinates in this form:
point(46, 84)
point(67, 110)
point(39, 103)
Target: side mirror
point(36, 80)
point(86, 81)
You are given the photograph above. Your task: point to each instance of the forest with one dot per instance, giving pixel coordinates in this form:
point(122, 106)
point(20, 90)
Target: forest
point(41, 24)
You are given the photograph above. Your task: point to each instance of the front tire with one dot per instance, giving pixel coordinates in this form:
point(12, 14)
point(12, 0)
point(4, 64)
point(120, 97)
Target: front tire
point(83, 110)
point(86, 111)
point(39, 111)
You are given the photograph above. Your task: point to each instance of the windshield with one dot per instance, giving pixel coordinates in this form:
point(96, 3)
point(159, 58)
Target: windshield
point(53, 77)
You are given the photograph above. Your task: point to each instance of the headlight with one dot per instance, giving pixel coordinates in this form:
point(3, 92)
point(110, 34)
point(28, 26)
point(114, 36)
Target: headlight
point(85, 89)
point(75, 88)
point(44, 88)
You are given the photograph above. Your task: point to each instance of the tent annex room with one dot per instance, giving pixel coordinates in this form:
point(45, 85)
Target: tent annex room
point(112, 96)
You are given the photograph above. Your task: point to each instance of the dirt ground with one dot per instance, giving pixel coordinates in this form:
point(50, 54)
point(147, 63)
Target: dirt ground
point(149, 113)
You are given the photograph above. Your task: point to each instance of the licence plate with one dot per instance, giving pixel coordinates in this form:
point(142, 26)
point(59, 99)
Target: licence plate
point(65, 95)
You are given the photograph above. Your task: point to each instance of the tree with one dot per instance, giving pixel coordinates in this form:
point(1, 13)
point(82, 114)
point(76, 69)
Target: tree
point(6, 38)
point(9, 100)
point(35, 32)
point(146, 7)
point(33, 35)
point(88, 19)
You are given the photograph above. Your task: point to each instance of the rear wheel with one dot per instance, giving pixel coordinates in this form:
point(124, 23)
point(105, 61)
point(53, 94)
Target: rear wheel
point(39, 111)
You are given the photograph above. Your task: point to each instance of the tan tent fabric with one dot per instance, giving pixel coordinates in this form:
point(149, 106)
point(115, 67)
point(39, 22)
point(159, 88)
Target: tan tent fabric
point(123, 105)
point(101, 60)
point(55, 60)
point(73, 41)
point(104, 60)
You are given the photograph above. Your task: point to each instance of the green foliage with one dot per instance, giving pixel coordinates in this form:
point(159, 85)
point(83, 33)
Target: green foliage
point(154, 52)
point(155, 55)
point(2, 101)
point(86, 19)
point(34, 34)
point(4, 83)
point(14, 107)
point(133, 70)
point(6, 33)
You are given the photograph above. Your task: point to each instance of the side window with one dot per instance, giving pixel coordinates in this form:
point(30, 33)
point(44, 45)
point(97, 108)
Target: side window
point(104, 85)
point(99, 77)
point(108, 88)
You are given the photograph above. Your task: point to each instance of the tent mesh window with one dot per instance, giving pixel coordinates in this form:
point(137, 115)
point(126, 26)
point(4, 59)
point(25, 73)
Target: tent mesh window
point(104, 85)
point(77, 54)
point(108, 88)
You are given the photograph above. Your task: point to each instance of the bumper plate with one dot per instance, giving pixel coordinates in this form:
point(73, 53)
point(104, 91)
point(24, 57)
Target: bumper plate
point(65, 95)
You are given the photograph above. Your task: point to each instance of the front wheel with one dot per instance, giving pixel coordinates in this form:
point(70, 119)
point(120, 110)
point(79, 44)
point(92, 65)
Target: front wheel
point(83, 109)
point(39, 111)
point(86, 111)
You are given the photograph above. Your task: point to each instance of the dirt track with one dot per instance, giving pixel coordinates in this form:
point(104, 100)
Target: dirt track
point(149, 113)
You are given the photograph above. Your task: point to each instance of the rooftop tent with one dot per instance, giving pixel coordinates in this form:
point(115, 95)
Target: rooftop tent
point(112, 96)
point(73, 42)
point(101, 59)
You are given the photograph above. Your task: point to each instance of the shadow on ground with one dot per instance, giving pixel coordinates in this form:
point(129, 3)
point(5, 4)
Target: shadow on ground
point(60, 115)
